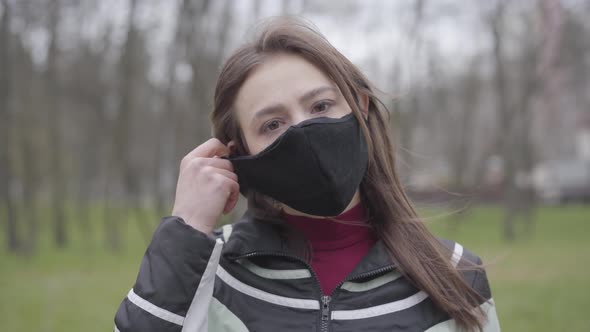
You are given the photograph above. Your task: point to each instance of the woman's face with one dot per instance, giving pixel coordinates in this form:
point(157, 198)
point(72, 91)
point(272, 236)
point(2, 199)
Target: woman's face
point(283, 91)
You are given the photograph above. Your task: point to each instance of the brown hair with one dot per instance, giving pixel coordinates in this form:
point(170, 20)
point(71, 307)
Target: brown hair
point(419, 255)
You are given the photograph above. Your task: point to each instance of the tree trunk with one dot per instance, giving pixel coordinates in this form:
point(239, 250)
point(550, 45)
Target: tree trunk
point(504, 123)
point(54, 123)
point(29, 151)
point(8, 206)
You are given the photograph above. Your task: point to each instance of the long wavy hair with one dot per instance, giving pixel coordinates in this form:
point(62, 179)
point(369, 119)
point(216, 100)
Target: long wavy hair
point(420, 256)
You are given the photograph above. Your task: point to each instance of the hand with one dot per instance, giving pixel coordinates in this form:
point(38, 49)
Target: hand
point(207, 186)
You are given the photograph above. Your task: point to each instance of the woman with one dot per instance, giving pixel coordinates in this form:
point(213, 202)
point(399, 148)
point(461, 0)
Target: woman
point(330, 242)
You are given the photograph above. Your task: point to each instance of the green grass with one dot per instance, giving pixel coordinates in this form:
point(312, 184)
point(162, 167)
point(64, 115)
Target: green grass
point(73, 289)
point(539, 284)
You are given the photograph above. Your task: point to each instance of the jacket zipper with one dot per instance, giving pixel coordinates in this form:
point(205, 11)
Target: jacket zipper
point(325, 313)
point(325, 323)
point(324, 299)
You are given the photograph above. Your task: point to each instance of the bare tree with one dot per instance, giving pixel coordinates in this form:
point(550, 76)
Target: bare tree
point(513, 100)
point(201, 63)
point(130, 69)
point(53, 95)
point(550, 69)
point(170, 123)
point(12, 237)
point(408, 112)
point(87, 89)
point(28, 139)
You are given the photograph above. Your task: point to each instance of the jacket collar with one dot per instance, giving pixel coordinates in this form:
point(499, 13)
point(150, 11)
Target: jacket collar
point(260, 237)
point(251, 235)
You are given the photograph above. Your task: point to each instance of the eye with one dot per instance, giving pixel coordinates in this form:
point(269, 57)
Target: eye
point(271, 126)
point(321, 106)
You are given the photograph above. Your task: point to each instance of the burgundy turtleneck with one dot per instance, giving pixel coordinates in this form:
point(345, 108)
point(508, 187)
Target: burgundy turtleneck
point(337, 247)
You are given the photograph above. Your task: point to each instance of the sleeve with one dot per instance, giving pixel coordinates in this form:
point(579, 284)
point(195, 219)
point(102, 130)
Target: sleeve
point(475, 274)
point(482, 286)
point(175, 281)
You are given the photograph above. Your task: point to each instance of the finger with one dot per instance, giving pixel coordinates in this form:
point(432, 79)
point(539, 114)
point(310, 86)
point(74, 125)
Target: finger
point(232, 199)
point(200, 162)
point(228, 174)
point(220, 163)
point(212, 147)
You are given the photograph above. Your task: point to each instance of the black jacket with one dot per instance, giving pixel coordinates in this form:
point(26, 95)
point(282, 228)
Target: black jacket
point(189, 281)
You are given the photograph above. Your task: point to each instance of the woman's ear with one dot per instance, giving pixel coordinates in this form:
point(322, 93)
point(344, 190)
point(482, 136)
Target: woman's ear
point(231, 145)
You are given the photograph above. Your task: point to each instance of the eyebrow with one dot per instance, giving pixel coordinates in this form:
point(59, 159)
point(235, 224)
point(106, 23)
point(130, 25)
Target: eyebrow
point(280, 108)
point(312, 93)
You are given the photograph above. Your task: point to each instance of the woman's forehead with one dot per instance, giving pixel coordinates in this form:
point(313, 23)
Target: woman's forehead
point(280, 79)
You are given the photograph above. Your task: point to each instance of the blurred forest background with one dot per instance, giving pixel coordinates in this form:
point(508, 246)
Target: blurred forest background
point(99, 101)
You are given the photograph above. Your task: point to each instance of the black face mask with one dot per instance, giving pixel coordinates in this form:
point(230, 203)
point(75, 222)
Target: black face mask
point(314, 167)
